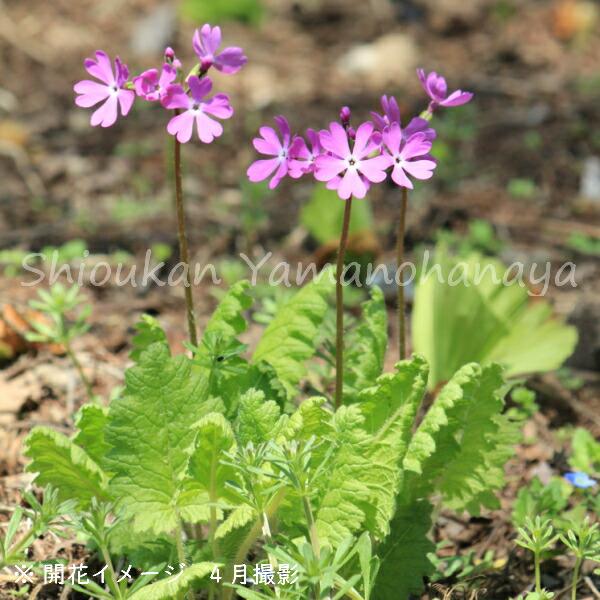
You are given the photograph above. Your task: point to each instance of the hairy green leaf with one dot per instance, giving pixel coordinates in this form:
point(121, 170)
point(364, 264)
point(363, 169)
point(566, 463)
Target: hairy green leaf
point(458, 449)
point(148, 332)
point(91, 422)
point(403, 555)
point(390, 409)
point(228, 319)
point(366, 346)
point(257, 420)
point(176, 585)
point(151, 435)
point(289, 340)
point(58, 461)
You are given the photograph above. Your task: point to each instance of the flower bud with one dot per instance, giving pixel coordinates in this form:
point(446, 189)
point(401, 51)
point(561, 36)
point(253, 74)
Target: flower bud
point(345, 114)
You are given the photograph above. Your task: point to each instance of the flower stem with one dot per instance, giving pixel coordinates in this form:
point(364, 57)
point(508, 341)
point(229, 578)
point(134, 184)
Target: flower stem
point(183, 243)
point(339, 305)
point(576, 570)
point(538, 574)
point(401, 308)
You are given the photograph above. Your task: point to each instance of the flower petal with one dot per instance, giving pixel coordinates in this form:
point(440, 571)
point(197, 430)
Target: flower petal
point(231, 60)
point(126, 100)
point(91, 92)
point(182, 126)
point(374, 168)
point(457, 98)
point(399, 177)
point(420, 169)
point(361, 141)
point(199, 87)
point(106, 114)
point(352, 185)
point(327, 167)
point(259, 170)
point(392, 138)
point(101, 67)
point(218, 106)
point(335, 140)
point(208, 129)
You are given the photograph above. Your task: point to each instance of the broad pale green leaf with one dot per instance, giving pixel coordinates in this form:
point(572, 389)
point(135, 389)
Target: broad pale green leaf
point(459, 448)
point(258, 420)
point(58, 461)
point(148, 332)
point(465, 311)
point(151, 432)
point(322, 215)
point(289, 340)
point(366, 346)
point(91, 422)
point(403, 555)
point(179, 583)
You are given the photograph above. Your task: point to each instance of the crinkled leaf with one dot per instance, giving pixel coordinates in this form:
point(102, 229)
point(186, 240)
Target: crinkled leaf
point(390, 409)
point(148, 332)
point(403, 555)
point(208, 476)
point(457, 449)
point(151, 432)
point(91, 422)
point(58, 461)
point(176, 585)
point(289, 340)
point(228, 319)
point(366, 346)
point(258, 420)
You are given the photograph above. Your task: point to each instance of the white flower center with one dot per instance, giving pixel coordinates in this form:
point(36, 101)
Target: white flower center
point(352, 163)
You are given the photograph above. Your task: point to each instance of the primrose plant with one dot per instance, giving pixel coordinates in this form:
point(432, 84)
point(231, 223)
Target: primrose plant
point(350, 160)
point(225, 465)
point(186, 96)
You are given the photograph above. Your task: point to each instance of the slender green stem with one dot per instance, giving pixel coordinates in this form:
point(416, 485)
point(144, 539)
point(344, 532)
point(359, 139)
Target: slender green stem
point(183, 243)
point(339, 305)
point(401, 305)
point(181, 554)
point(251, 537)
point(575, 578)
point(86, 382)
point(538, 573)
point(314, 537)
point(112, 576)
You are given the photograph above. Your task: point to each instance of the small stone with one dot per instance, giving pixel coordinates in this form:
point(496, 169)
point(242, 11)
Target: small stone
point(589, 187)
point(391, 59)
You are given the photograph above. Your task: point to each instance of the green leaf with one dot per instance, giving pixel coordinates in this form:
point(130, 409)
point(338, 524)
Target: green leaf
point(151, 432)
point(289, 340)
point(465, 312)
point(258, 420)
point(343, 495)
point(148, 332)
point(459, 449)
point(208, 474)
point(390, 408)
point(91, 421)
point(586, 451)
point(176, 585)
point(58, 461)
point(322, 215)
point(366, 346)
point(227, 319)
point(403, 555)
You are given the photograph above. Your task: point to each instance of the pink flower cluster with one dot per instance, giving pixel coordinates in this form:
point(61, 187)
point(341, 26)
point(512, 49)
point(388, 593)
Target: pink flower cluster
point(350, 160)
point(115, 92)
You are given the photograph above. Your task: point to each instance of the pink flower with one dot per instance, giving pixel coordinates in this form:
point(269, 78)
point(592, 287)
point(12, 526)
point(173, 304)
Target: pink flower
point(302, 158)
point(150, 86)
point(391, 114)
point(280, 151)
point(206, 42)
point(436, 88)
point(408, 156)
point(352, 165)
point(197, 110)
point(110, 92)
point(171, 59)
